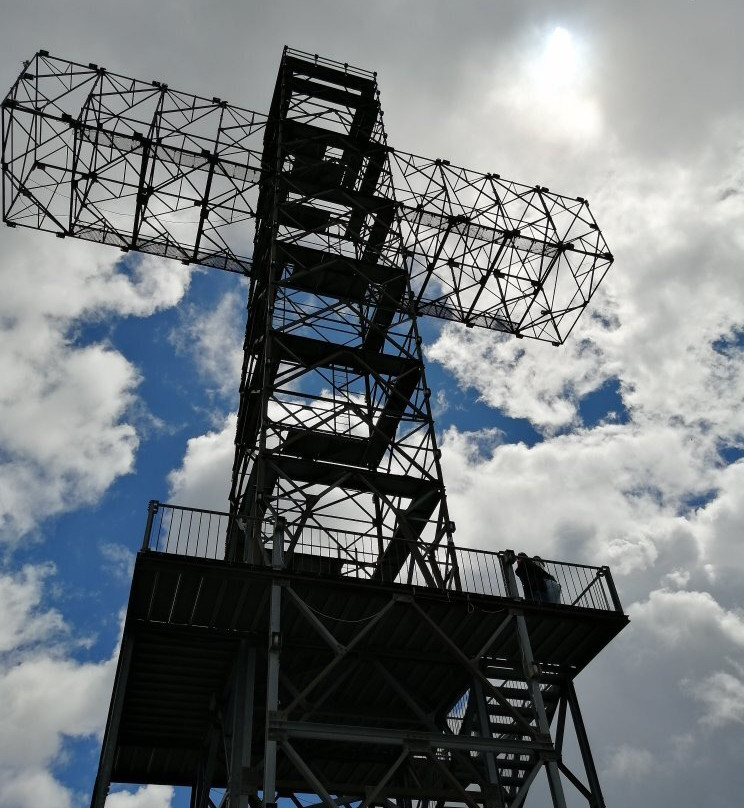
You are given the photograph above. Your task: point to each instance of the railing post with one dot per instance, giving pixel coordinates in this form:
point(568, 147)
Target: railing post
point(506, 559)
point(152, 509)
point(605, 571)
point(277, 543)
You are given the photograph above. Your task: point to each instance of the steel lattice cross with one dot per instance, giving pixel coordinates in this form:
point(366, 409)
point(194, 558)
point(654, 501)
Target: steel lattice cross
point(347, 649)
point(138, 165)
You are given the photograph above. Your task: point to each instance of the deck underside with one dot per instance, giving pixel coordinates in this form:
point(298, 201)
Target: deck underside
point(403, 657)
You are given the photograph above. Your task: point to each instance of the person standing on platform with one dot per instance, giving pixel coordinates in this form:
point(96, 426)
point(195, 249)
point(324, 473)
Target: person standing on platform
point(537, 583)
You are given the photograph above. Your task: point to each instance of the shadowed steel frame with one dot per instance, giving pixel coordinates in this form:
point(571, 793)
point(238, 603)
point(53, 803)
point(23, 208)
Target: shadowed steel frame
point(337, 478)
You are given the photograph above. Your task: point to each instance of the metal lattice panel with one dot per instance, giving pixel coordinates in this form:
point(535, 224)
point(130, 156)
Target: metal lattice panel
point(134, 164)
point(494, 253)
point(138, 165)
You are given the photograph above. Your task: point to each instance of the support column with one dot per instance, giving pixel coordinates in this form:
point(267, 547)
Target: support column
point(272, 674)
point(242, 724)
point(200, 791)
point(531, 674)
point(597, 800)
point(103, 781)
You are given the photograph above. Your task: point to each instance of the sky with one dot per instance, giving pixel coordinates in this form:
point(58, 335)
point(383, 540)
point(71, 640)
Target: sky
point(624, 447)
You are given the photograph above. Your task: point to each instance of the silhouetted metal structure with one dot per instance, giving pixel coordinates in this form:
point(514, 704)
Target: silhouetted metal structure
point(326, 637)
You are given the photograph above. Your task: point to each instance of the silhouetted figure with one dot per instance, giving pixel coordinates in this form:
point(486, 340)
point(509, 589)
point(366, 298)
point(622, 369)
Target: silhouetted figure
point(537, 583)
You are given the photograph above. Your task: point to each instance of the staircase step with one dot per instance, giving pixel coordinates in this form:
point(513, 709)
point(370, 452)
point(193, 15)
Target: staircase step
point(363, 159)
point(409, 528)
point(328, 474)
point(325, 189)
point(311, 353)
point(318, 171)
point(549, 695)
point(495, 709)
point(316, 444)
point(306, 138)
point(325, 273)
point(340, 95)
point(304, 217)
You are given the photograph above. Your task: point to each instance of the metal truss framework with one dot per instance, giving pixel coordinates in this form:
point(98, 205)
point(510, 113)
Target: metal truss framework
point(486, 751)
point(485, 748)
point(352, 242)
point(335, 425)
point(387, 697)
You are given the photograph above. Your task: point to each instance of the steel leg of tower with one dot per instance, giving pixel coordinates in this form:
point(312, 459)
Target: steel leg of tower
point(531, 676)
point(200, 791)
point(272, 674)
point(242, 724)
point(597, 800)
point(103, 780)
point(235, 732)
point(570, 703)
point(492, 770)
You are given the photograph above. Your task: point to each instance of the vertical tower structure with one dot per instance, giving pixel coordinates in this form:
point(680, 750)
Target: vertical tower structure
point(325, 639)
point(335, 427)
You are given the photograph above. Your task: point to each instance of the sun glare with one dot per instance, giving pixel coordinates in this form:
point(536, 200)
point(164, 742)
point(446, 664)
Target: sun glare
point(556, 86)
point(559, 62)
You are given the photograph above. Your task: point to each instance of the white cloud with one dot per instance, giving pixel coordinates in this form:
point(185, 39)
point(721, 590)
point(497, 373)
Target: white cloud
point(723, 696)
point(144, 797)
point(118, 559)
point(676, 579)
point(23, 622)
point(630, 763)
point(214, 338)
point(718, 527)
point(65, 424)
point(536, 382)
point(46, 694)
point(550, 88)
point(27, 789)
point(203, 479)
point(46, 697)
point(689, 619)
point(606, 495)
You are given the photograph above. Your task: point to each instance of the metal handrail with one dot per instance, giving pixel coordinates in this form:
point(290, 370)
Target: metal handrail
point(198, 532)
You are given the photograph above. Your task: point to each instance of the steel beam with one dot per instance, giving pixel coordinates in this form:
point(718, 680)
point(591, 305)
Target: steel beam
point(596, 799)
point(308, 774)
point(279, 728)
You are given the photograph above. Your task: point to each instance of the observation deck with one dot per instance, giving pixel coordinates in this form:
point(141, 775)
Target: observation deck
point(368, 668)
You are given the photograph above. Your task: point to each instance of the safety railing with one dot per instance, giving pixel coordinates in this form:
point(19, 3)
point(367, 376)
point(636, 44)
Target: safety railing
point(185, 531)
point(202, 533)
point(320, 60)
point(493, 573)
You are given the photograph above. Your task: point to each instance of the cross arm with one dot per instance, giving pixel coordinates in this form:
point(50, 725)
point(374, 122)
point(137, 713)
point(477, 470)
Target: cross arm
point(133, 164)
point(140, 166)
